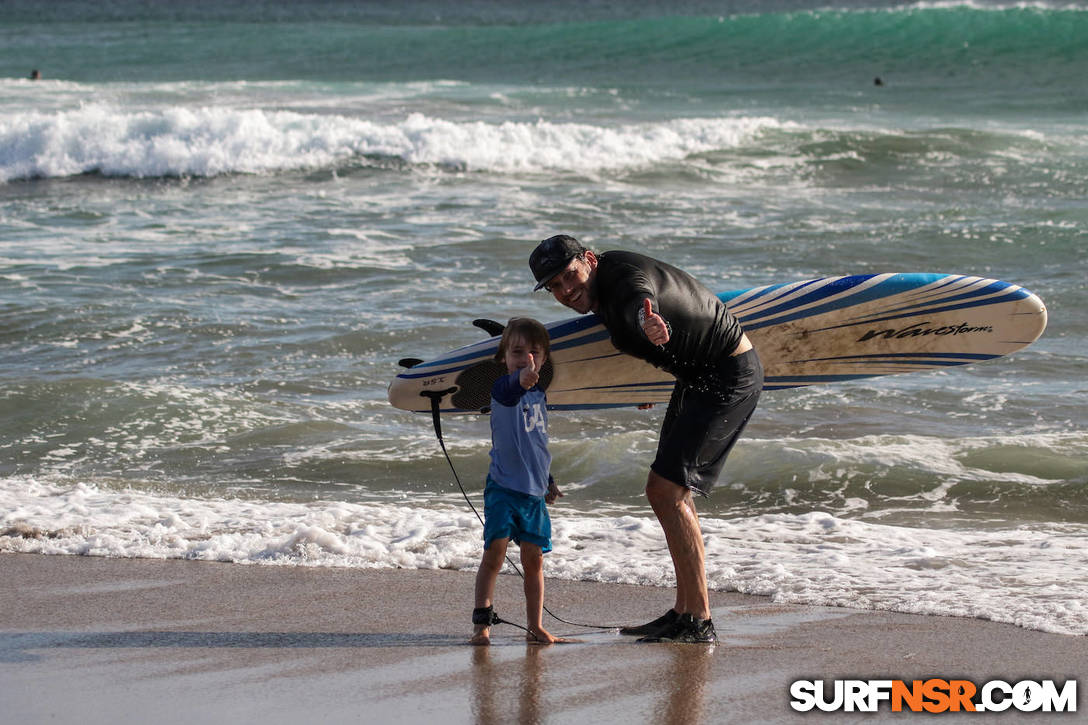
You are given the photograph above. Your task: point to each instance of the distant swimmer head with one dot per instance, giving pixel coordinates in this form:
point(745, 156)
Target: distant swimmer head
point(552, 256)
point(35, 75)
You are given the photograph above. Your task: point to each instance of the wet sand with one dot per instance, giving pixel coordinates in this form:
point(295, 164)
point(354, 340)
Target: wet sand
point(92, 640)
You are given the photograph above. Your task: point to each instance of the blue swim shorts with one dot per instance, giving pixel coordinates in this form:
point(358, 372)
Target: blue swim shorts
point(517, 516)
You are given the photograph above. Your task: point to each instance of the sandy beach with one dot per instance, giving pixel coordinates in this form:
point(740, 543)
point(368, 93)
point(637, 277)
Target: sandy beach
point(95, 640)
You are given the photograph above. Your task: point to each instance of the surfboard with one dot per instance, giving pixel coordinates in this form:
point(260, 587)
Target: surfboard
point(809, 332)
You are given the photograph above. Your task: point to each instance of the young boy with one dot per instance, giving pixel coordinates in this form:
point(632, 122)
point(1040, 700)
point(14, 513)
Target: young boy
point(518, 480)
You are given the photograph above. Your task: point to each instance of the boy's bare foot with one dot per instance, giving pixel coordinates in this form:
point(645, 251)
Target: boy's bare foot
point(543, 636)
point(481, 637)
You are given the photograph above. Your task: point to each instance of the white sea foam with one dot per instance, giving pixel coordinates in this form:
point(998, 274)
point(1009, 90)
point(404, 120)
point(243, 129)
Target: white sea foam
point(206, 141)
point(1032, 576)
point(993, 7)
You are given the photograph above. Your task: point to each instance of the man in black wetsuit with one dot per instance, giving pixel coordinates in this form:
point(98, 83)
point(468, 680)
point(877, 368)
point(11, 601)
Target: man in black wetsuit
point(662, 315)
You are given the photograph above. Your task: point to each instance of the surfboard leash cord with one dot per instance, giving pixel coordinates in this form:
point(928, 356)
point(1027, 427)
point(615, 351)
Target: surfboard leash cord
point(435, 396)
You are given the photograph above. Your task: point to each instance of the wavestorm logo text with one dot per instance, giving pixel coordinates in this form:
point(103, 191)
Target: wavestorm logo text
point(919, 329)
point(933, 695)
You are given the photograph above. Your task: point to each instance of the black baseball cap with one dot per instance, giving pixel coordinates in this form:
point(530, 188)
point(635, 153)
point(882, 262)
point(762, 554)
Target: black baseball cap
point(552, 256)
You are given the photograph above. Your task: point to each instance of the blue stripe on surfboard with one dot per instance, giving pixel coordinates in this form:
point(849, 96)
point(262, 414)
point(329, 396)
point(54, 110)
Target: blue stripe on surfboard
point(585, 340)
point(870, 294)
point(755, 292)
point(564, 328)
point(1012, 297)
point(782, 313)
point(889, 286)
point(923, 363)
point(560, 406)
point(649, 385)
point(988, 293)
point(937, 288)
point(453, 364)
point(432, 372)
point(591, 406)
point(919, 304)
point(963, 282)
point(910, 282)
point(950, 280)
point(970, 356)
point(574, 360)
point(786, 290)
point(923, 308)
point(473, 352)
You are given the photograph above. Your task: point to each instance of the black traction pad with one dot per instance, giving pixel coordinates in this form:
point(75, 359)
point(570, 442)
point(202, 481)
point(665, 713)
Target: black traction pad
point(475, 382)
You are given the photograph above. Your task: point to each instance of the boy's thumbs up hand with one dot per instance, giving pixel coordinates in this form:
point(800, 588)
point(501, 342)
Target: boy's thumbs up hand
point(529, 374)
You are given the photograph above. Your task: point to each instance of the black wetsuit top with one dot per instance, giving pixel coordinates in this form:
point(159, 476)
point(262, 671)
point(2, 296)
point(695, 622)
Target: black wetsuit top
point(701, 330)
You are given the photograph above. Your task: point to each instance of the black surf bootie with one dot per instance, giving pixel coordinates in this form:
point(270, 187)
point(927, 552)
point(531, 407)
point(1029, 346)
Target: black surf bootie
point(649, 628)
point(686, 629)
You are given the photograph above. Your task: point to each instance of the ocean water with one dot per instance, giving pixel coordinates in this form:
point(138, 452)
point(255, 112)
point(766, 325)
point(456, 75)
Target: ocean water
point(222, 224)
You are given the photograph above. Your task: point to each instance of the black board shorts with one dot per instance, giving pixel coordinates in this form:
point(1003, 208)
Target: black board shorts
point(703, 422)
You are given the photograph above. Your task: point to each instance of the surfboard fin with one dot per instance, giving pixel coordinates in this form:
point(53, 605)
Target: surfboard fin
point(490, 326)
point(409, 362)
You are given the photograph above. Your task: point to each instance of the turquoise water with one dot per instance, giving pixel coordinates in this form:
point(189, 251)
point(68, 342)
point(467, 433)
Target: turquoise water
point(222, 224)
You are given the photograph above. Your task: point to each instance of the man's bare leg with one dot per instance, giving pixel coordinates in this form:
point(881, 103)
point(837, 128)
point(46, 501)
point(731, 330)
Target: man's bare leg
point(675, 510)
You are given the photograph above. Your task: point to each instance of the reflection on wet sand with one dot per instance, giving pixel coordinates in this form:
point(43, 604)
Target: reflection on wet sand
point(496, 684)
point(685, 678)
point(510, 687)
